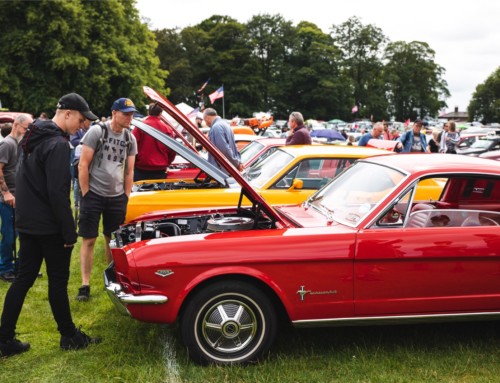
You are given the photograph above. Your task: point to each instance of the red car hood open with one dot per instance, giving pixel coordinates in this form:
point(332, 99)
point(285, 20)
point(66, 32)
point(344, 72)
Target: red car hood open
point(246, 189)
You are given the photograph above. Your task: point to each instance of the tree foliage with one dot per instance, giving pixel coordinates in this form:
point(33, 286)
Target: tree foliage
point(102, 50)
point(362, 47)
point(268, 64)
point(415, 87)
point(99, 49)
point(485, 104)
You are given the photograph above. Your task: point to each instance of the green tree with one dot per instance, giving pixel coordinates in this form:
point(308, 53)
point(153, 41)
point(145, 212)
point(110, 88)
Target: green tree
point(362, 47)
point(485, 103)
point(228, 60)
point(271, 40)
point(174, 60)
point(317, 87)
point(415, 84)
point(99, 49)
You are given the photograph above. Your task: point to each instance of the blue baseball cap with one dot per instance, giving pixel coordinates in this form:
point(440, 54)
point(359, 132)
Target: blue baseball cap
point(124, 105)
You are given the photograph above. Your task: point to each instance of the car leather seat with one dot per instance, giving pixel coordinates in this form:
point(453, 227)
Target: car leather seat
point(419, 215)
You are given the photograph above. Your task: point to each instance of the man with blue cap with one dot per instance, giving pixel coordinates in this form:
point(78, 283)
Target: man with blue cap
point(105, 173)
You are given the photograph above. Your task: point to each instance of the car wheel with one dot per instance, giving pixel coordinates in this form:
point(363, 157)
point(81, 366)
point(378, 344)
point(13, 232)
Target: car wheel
point(228, 322)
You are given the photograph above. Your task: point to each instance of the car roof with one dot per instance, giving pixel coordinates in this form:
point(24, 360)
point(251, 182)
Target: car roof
point(344, 151)
point(11, 116)
point(244, 137)
point(271, 141)
point(437, 163)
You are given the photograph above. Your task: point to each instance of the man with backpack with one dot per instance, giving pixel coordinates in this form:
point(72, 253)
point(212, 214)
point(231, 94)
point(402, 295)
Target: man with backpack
point(105, 173)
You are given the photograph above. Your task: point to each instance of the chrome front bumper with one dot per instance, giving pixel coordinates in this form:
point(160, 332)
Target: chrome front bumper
point(122, 299)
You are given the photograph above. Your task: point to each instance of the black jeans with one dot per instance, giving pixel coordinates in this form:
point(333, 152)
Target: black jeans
point(35, 249)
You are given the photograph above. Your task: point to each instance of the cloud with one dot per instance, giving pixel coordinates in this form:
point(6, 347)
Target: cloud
point(465, 36)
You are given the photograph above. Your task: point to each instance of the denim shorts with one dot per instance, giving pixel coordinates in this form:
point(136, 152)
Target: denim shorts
point(92, 205)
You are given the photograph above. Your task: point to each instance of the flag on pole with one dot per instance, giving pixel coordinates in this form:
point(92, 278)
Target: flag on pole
point(407, 122)
point(354, 109)
point(219, 93)
point(203, 86)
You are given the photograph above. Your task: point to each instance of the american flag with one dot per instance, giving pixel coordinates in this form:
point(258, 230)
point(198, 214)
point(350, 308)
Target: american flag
point(219, 93)
point(203, 86)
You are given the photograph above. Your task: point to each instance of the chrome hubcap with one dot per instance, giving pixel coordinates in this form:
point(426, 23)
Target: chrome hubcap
point(229, 326)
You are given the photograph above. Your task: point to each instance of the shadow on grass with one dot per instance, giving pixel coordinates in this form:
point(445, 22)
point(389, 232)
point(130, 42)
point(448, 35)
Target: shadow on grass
point(417, 336)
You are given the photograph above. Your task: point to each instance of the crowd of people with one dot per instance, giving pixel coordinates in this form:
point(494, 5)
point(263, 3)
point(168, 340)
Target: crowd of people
point(414, 140)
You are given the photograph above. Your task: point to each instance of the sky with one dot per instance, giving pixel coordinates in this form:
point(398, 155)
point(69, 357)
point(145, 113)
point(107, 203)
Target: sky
point(464, 35)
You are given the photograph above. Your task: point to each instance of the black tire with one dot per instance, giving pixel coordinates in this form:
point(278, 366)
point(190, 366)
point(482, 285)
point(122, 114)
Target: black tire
point(228, 322)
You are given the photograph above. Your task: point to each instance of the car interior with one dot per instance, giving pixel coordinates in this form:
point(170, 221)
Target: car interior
point(464, 202)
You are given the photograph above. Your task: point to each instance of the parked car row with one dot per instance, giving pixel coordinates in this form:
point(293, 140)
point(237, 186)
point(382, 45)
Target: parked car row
point(391, 239)
point(288, 175)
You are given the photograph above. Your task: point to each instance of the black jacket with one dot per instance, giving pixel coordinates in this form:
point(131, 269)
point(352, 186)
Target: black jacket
point(43, 206)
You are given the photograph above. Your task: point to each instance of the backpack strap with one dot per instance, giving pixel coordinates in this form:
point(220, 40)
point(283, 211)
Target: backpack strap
point(104, 138)
point(128, 140)
point(104, 134)
point(100, 144)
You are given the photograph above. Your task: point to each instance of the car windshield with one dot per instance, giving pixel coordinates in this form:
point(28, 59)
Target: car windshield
point(262, 171)
point(356, 192)
point(250, 151)
point(481, 144)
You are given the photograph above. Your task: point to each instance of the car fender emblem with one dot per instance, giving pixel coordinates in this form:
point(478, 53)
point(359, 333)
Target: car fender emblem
point(302, 292)
point(164, 273)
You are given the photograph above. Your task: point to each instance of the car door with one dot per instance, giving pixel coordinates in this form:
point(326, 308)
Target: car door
point(426, 269)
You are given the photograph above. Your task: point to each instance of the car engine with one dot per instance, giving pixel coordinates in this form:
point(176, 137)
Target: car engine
point(155, 186)
point(243, 219)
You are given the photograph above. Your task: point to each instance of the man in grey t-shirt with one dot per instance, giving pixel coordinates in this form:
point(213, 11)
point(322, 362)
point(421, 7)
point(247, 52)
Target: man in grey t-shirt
point(105, 173)
point(8, 164)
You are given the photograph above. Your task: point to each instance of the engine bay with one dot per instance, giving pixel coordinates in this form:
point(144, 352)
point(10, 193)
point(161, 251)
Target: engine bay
point(242, 219)
point(179, 185)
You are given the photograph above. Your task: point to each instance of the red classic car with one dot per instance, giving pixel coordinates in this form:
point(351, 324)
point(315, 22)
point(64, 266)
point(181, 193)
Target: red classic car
point(361, 250)
point(11, 116)
point(492, 155)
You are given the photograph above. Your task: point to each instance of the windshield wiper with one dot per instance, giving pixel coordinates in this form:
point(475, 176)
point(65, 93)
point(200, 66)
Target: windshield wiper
point(329, 213)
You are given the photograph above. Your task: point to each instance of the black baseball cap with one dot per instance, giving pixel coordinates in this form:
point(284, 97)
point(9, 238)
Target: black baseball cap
point(74, 101)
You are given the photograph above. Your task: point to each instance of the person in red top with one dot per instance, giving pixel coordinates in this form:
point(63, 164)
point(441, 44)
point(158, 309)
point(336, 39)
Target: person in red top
point(153, 157)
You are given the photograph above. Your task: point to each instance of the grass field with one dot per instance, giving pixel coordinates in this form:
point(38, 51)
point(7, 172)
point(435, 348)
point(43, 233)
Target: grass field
point(139, 352)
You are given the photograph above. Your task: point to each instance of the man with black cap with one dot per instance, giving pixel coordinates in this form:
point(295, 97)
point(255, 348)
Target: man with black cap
point(105, 173)
point(45, 223)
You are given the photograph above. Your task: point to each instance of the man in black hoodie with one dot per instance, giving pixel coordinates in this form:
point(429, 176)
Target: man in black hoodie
point(45, 223)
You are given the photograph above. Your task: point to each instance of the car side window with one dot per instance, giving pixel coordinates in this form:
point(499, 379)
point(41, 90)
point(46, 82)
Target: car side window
point(396, 213)
point(315, 173)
